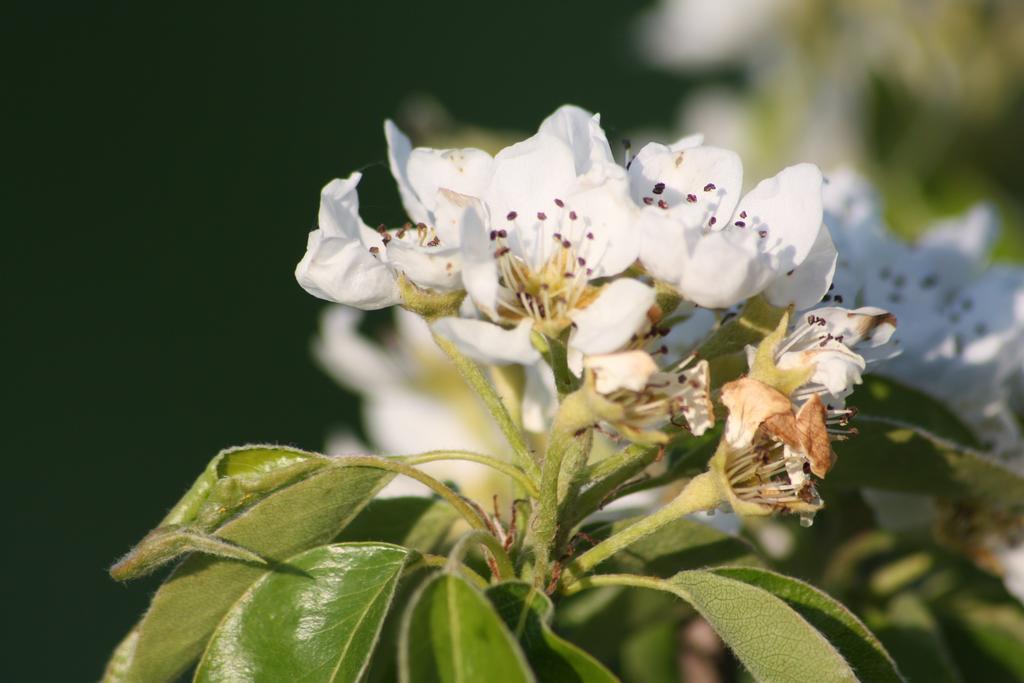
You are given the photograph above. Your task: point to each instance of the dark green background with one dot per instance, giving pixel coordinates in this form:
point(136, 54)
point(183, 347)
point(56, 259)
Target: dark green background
point(163, 164)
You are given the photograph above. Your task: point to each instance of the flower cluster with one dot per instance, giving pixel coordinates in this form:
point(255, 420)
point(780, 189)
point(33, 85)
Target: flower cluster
point(629, 284)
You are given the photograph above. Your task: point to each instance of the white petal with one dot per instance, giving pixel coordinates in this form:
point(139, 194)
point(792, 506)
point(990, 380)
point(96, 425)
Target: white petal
point(629, 370)
point(528, 176)
point(399, 151)
point(465, 171)
point(664, 247)
point(685, 174)
point(777, 222)
point(479, 270)
point(606, 212)
point(350, 358)
point(804, 286)
point(429, 267)
point(337, 265)
point(581, 132)
point(488, 343)
point(610, 321)
point(401, 421)
point(687, 142)
point(719, 273)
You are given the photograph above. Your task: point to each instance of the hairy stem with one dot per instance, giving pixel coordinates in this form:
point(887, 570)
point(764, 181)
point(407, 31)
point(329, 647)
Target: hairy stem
point(477, 381)
point(701, 493)
point(474, 518)
point(571, 424)
point(528, 484)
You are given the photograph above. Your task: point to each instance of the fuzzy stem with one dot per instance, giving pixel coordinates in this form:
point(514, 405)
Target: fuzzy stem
point(573, 417)
point(701, 493)
point(394, 465)
point(477, 381)
point(630, 580)
point(506, 468)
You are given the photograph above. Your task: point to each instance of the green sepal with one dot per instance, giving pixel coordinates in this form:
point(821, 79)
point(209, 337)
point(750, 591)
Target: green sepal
point(765, 370)
point(428, 303)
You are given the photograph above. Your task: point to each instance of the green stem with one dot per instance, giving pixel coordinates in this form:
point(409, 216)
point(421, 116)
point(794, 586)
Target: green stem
point(395, 465)
point(500, 465)
point(505, 569)
point(477, 381)
point(573, 417)
point(631, 580)
point(701, 493)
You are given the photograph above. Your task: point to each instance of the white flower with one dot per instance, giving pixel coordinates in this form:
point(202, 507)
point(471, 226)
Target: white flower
point(835, 345)
point(718, 249)
point(348, 262)
point(638, 397)
point(555, 216)
point(961, 326)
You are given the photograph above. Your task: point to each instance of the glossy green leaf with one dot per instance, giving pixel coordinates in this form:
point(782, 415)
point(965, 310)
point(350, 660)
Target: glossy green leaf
point(774, 642)
point(683, 544)
point(527, 613)
point(317, 618)
point(846, 632)
point(305, 513)
point(452, 634)
point(167, 543)
point(899, 457)
point(912, 635)
point(413, 522)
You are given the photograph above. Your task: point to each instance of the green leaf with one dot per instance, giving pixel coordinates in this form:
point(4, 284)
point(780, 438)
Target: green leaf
point(682, 544)
point(912, 635)
point(317, 618)
point(451, 633)
point(167, 543)
point(414, 522)
point(774, 642)
point(305, 513)
point(237, 476)
point(899, 457)
point(986, 639)
point(845, 631)
point(883, 397)
point(527, 613)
